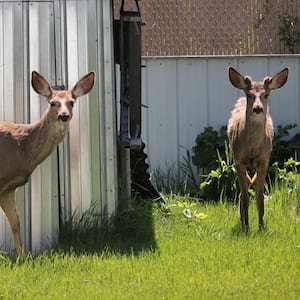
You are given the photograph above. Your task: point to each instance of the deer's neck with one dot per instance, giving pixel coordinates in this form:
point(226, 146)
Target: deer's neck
point(42, 137)
point(255, 122)
point(258, 128)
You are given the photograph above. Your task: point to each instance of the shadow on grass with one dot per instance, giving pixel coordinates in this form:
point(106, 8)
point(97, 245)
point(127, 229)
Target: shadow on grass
point(253, 231)
point(129, 232)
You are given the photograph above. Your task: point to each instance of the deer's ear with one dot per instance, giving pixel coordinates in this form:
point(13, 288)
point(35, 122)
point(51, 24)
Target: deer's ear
point(238, 80)
point(84, 85)
point(40, 84)
point(277, 81)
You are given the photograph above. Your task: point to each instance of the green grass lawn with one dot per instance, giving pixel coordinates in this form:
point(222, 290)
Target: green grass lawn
point(183, 250)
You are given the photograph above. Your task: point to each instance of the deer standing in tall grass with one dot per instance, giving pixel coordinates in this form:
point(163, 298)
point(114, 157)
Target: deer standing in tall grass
point(250, 131)
point(24, 146)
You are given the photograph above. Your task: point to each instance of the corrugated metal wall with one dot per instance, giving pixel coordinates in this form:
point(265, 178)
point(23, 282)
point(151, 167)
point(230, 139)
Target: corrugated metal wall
point(62, 40)
point(89, 40)
point(184, 95)
point(11, 18)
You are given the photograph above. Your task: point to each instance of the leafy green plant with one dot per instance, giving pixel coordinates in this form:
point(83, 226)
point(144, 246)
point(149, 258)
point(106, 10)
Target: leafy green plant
point(211, 165)
point(221, 183)
point(205, 156)
point(283, 148)
point(287, 175)
point(185, 209)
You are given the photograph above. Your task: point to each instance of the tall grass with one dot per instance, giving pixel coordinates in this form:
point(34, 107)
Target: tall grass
point(181, 250)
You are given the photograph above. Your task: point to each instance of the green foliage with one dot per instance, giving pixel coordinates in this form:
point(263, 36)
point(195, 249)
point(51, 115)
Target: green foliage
point(190, 177)
point(221, 182)
point(288, 174)
point(210, 165)
point(184, 208)
point(213, 156)
point(200, 254)
point(169, 181)
point(288, 32)
point(127, 231)
point(283, 148)
point(80, 229)
point(188, 171)
point(207, 142)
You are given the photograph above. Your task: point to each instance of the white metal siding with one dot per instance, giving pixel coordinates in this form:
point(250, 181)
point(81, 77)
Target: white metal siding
point(93, 129)
point(63, 40)
point(186, 94)
point(43, 188)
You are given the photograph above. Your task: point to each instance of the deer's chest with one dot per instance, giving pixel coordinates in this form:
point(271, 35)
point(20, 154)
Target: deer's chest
point(255, 150)
point(60, 131)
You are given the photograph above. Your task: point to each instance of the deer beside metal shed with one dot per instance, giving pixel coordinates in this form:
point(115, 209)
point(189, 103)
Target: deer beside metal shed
point(24, 146)
point(250, 131)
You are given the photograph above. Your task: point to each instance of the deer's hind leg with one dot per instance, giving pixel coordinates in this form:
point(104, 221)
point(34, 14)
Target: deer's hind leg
point(8, 204)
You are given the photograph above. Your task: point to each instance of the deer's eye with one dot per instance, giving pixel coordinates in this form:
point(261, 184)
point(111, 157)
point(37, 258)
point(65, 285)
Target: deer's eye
point(55, 103)
point(266, 96)
point(71, 103)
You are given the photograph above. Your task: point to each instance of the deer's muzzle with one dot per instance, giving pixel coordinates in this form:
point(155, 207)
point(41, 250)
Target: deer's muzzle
point(64, 117)
point(258, 109)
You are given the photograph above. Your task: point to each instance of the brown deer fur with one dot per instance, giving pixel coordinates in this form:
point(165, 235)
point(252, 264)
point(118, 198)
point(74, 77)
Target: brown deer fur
point(24, 146)
point(250, 131)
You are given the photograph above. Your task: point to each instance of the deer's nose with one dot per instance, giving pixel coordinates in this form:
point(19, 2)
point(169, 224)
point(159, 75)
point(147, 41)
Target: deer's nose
point(64, 117)
point(258, 109)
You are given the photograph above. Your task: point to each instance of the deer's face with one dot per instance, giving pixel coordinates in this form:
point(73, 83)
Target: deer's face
point(62, 102)
point(257, 92)
point(61, 106)
point(257, 99)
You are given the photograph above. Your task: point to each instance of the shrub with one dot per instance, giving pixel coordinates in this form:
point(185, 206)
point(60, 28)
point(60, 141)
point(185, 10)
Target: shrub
point(283, 148)
point(215, 159)
point(206, 158)
point(221, 183)
point(286, 175)
point(205, 155)
point(215, 172)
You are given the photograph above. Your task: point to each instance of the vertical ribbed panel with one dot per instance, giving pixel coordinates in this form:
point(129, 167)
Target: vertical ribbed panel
point(62, 40)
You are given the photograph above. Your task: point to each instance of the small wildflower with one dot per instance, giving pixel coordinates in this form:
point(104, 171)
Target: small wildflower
point(182, 204)
point(187, 213)
point(200, 215)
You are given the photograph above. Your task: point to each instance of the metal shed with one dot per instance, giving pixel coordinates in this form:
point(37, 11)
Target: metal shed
point(62, 40)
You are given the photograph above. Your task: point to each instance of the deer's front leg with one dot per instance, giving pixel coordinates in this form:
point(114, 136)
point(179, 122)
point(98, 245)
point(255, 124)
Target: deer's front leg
point(8, 204)
point(259, 191)
point(244, 196)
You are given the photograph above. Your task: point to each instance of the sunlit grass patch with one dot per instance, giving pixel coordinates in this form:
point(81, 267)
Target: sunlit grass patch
point(185, 249)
